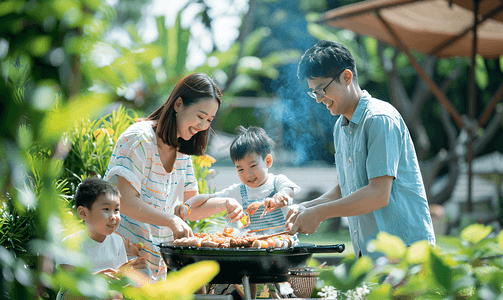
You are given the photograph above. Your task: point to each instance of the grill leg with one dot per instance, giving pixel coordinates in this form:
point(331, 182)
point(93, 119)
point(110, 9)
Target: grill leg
point(246, 287)
point(278, 291)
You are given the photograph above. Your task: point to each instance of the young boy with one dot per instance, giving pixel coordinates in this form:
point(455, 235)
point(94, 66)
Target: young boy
point(251, 153)
point(265, 196)
point(98, 204)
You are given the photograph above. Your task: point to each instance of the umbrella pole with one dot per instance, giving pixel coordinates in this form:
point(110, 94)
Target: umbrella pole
point(471, 104)
point(431, 84)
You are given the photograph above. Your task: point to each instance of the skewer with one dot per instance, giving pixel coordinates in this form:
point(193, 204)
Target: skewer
point(321, 266)
point(250, 231)
point(271, 235)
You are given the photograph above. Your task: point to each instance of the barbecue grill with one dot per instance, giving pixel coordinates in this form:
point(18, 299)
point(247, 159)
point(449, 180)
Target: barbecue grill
point(246, 265)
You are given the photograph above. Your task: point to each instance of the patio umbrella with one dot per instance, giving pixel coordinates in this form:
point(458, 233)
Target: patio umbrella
point(442, 28)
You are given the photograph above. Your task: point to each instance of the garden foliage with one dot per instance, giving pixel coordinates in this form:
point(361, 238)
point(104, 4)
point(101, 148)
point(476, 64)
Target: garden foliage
point(465, 267)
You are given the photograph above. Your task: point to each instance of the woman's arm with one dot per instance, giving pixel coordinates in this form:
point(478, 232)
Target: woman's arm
point(135, 208)
point(182, 210)
point(214, 205)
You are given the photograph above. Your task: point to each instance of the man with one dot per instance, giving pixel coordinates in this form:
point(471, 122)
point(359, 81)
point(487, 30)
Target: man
point(380, 185)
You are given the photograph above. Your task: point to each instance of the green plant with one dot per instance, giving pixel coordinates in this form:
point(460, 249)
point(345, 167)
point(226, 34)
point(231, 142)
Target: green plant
point(16, 227)
point(468, 266)
point(91, 144)
point(201, 166)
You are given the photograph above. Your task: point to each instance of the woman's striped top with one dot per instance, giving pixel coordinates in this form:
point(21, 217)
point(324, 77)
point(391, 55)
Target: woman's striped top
point(136, 158)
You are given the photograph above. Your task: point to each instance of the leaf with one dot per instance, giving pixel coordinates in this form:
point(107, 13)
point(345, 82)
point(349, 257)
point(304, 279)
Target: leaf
point(481, 76)
point(178, 285)
point(475, 233)
point(58, 121)
point(392, 246)
point(333, 277)
point(418, 253)
point(383, 292)
point(441, 271)
point(451, 245)
point(361, 267)
point(39, 45)
point(253, 40)
point(500, 237)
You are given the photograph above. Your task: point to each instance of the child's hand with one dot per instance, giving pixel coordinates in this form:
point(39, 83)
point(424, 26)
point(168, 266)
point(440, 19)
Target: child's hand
point(131, 270)
point(115, 295)
point(181, 211)
point(140, 263)
point(234, 210)
point(135, 263)
point(132, 249)
point(279, 200)
point(108, 272)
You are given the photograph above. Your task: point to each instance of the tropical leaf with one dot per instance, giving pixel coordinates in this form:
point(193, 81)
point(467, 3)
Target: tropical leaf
point(475, 233)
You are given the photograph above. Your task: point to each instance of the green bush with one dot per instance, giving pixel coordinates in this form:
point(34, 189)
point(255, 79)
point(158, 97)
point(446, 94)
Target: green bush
point(91, 143)
point(465, 267)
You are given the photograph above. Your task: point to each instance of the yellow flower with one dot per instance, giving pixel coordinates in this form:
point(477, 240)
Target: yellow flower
point(98, 131)
point(205, 160)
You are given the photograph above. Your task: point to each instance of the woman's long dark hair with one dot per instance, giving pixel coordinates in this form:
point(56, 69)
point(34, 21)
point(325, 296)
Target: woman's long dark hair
point(191, 89)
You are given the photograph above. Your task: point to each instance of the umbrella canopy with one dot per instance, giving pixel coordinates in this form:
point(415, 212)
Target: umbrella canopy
point(442, 28)
point(433, 27)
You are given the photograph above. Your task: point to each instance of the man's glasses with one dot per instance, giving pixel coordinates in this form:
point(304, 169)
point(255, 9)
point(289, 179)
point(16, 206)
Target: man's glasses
point(322, 92)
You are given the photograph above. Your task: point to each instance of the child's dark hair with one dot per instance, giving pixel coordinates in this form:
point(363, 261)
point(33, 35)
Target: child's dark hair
point(90, 189)
point(251, 140)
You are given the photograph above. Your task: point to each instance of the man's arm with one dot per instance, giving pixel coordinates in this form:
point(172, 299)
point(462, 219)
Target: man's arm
point(365, 200)
point(333, 194)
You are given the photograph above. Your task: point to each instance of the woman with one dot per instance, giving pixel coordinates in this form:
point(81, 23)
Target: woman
point(152, 168)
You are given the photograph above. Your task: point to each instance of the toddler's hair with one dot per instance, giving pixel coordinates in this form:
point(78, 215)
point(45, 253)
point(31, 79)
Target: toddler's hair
point(90, 189)
point(251, 140)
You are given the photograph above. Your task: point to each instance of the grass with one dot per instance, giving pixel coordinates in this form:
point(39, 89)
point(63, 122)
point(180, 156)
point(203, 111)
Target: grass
point(323, 236)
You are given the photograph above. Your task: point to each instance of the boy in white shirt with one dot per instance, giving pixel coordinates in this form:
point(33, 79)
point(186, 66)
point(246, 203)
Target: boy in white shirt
point(98, 204)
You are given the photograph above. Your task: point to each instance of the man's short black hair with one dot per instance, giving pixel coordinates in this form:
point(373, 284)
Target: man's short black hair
point(326, 59)
point(90, 189)
point(251, 140)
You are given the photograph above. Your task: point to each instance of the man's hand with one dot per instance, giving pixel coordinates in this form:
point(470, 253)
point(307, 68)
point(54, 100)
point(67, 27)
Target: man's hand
point(234, 210)
point(301, 219)
point(179, 228)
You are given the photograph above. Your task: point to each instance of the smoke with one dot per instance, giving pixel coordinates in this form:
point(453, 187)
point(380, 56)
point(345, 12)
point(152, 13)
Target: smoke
point(307, 127)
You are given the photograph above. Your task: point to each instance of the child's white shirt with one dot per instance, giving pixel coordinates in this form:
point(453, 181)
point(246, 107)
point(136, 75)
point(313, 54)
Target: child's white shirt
point(111, 253)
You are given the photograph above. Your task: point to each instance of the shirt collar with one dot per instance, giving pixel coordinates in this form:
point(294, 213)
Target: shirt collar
point(360, 108)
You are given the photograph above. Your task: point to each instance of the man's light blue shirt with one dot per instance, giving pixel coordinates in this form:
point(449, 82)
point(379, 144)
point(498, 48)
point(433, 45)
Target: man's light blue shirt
point(376, 142)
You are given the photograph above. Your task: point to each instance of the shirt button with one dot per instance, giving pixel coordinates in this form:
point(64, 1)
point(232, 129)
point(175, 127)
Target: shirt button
point(349, 161)
point(351, 132)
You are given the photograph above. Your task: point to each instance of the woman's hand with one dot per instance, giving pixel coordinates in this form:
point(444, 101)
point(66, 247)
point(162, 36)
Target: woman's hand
point(181, 211)
point(179, 228)
point(234, 210)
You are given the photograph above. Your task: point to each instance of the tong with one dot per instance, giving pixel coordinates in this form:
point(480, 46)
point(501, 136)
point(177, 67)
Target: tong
point(271, 235)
